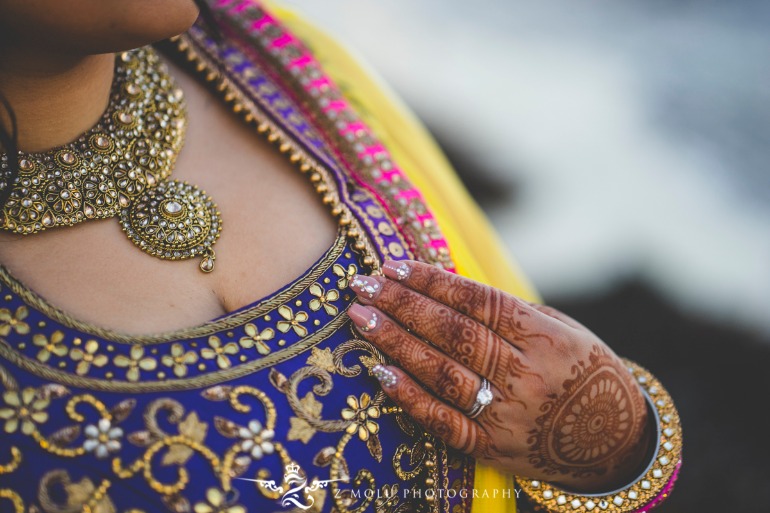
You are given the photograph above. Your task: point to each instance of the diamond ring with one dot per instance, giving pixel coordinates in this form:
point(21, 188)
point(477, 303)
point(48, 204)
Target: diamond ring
point(483, 399)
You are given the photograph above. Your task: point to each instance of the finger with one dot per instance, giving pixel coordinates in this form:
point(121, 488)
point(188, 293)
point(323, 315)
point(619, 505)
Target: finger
point(437, 417)
point(446, 378)
point(558, 315)
point(463, 339)
point(512, 318)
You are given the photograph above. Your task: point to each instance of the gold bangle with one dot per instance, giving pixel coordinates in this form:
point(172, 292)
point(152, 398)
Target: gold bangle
point(654, 483)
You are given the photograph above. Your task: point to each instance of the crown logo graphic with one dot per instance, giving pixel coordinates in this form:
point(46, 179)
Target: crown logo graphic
point(295, 487)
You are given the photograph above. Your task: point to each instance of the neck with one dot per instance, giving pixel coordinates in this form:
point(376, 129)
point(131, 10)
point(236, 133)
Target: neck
point(55, 97)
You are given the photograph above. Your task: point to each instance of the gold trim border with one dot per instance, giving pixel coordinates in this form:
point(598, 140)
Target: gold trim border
point(208, 379)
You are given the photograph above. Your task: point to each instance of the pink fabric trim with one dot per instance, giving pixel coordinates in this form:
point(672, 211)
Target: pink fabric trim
point(299, 63)
point(281, 41)
point(261, 23)
point(372, 151)
point(320, 84)
point(336, 106)
point(324, 83)
point(408, 194)
point(388, 175)
point(438, 243)
point(353, 128)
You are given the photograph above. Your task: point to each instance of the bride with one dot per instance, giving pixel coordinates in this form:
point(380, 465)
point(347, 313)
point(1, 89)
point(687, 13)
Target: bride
point(228, 252)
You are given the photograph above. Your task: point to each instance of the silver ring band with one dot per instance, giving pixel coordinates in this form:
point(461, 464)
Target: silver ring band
point(483, 399)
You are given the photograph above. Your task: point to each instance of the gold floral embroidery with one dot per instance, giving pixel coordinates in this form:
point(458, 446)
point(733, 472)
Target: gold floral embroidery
point(292, 320)
point(191, 430)
point(360, 412)
point(300, 428)
point(14, 321)
point(345, 275)
point(179, 359)
point(256, 339)
point(216, 503)
point(256, 440)
point(322, 358)
point(88, 357)
point(11, 466)
point(253, 441)
point(7, 468)
point(18, 503)
point(356, 422)
point(50, 346)
point(81, 496)
point(323, 299)
point(191, 427)
point(136, 363)
point(25, 408)
point(204, 379)
point(218, 351)
point(368, 362)
point(102, 438)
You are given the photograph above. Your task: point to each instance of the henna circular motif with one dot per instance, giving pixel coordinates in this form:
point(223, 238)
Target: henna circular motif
point(593, 423)
point(587, 427)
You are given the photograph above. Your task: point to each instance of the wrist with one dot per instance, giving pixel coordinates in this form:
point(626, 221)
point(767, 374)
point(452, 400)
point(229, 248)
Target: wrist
point(629, 465)
point(656, 473)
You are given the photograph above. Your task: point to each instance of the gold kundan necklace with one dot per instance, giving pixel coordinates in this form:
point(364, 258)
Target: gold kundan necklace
point(121, 168)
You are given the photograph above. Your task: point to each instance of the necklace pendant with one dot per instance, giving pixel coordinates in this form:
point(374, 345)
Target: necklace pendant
point(207, 263)
point(174, 221)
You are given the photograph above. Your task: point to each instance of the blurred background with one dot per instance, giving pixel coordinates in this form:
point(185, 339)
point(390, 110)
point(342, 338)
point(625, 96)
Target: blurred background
point(621, 149)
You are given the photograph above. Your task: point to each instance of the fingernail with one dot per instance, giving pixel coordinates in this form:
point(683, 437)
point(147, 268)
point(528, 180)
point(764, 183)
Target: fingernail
point(385, 376)
point(365, 287)
point(364, 318)
point(396, 270)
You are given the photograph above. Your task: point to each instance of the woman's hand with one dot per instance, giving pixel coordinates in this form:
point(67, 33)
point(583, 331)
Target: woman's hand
point(564, 409)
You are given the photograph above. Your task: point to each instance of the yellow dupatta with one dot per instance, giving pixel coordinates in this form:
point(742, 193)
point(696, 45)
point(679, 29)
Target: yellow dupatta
point(476, 249)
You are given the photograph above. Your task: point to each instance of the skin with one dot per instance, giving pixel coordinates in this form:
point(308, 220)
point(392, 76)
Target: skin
point(59, 89)
point(56, 58)
point(565, 408)
point(56, 67)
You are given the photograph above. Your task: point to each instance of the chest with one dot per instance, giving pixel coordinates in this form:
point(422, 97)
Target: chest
point(274, 227)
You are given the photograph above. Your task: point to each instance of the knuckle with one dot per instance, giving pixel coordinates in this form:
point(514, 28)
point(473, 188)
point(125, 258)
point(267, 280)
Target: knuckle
point(407, 393)
point(438, 420)
point(460, 326)
point(389, 294)
point(548, 310)
point(388, 331)
point(565, 343)
point(451, 326)
point(453, 383)
point(477, 296)
point(434, 282)
point(419, 355)
point(404, 305)
point(390, 337)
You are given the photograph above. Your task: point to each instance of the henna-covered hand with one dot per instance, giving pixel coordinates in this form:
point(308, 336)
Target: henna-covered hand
point(565, 407)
